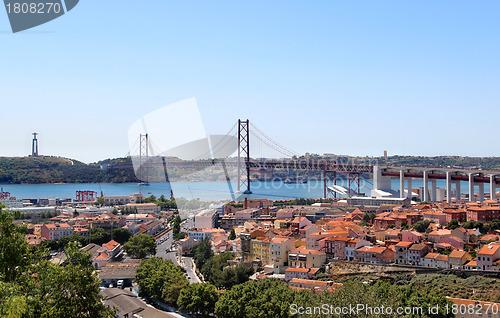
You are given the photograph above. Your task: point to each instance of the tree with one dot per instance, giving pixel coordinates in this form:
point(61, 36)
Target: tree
point(71, 290)
point(453, 224)
point(160, 279)
point(202, 252)
point(140, 246)
point(99, 236)
point(232, 235)
point(264, 298)
point(198, 298)
point(421, 226)
point(73, 238)
point(121, 235)
point(13, 247)
point(100, 201)
point(176, 227)
point(31, 286)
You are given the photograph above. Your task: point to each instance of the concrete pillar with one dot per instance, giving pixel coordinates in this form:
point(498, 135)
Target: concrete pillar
point(401, 184)
point(459, 190)
point(409, 188)
point(426, 186)
point(434, 196)
point(481, 191)
point(448, 187)
point(471, 187)
point(493, 188)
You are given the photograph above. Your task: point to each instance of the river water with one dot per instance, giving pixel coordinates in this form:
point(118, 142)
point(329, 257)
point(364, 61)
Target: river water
point(276, 190)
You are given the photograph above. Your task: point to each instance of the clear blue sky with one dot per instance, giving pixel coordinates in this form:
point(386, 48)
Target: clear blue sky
point(344, 77)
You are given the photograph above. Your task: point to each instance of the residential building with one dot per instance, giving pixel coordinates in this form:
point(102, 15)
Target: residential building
point(302, 273)
point(417, 252)
point(55, 231)
point(335, 247)
point(144, 207)
point(401, 253)
point(457, 259)
point(247, 214)
point(436, 235)
point(139, 218)
point(488, 257)
point(483, 214)
point(353, 245)
point(279, 248)
point(204, 233)
point(436, 260)
point(206, 219)
point(299, 222)
point(411, 236)
point(374, 254)
point(302, 257)
point(260, 250)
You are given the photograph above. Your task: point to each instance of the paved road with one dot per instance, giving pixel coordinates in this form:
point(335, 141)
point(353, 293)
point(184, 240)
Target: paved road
point(189, 266)
point(167, 250)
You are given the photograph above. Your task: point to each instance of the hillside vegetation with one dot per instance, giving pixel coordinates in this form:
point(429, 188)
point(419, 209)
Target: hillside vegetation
point(58, 170)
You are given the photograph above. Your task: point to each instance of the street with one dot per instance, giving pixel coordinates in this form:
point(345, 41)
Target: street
point(167, 250)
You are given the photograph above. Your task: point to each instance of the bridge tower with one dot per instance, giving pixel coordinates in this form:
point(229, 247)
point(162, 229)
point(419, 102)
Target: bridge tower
point(244, 156)
point(143, 156)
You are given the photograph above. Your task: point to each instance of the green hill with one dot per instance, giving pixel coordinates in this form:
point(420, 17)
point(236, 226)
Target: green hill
point(46, 169)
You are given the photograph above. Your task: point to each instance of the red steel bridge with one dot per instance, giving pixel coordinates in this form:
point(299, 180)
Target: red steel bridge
point(255, 148)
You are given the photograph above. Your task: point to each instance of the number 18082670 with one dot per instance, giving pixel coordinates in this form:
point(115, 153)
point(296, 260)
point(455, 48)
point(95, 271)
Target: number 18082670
point(33, 8)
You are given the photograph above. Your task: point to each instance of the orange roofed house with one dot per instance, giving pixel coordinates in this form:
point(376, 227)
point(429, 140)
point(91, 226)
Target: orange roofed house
point(488, 258)
point(374, 254)
point(302, 257)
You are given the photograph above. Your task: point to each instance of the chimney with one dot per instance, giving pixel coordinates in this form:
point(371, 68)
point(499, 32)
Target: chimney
point(245, 204)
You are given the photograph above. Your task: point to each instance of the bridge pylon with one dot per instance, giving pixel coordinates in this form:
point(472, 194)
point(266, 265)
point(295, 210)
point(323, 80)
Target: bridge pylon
point(244, 156)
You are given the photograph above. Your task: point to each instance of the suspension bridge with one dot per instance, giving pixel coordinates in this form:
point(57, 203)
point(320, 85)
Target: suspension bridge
point(248, 149)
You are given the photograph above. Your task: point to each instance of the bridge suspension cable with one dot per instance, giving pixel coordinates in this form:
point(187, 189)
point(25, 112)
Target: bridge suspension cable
point(271, 142)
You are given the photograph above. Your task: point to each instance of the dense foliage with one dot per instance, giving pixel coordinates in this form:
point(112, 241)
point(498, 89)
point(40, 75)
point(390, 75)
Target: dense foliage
point(271, 298)
point(140, 246)
point(216, 271)
point(160, 279)
point(198, 298)
point(31, 286)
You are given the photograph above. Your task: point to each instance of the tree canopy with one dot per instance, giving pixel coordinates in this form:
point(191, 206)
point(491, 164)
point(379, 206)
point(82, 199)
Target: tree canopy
point(160, 279)
point(31, 286)
point(140, 246)
point(198, 298)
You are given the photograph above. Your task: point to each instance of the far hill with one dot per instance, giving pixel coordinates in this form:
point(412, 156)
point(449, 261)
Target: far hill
point(47, 169)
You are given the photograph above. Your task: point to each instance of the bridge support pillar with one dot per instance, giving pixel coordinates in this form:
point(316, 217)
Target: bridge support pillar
point(409, 195)
point(401, 184)
point(458, 190)
point(426, 186)
point(471, 187)
point(434, 197)
point(493, 188)
point(481, 191)
point(448, 187)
